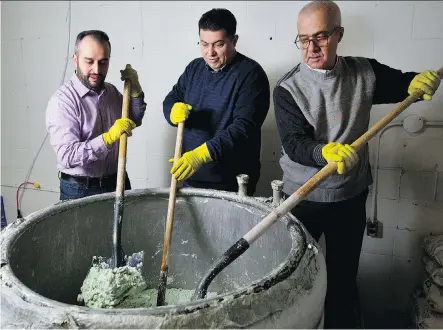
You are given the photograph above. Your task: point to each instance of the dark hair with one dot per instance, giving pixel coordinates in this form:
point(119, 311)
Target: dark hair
point(218, 19)
point(98, 35)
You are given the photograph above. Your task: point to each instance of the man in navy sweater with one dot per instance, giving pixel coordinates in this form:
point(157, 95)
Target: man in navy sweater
point(223, 97)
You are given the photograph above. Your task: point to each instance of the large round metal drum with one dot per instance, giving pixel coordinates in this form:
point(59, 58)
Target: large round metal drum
point(279, 282)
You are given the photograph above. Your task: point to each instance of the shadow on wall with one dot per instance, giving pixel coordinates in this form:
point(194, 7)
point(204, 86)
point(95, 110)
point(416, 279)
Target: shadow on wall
point(269, 171)
point(271, 144)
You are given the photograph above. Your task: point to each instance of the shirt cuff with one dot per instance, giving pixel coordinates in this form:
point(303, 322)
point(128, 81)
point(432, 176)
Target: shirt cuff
point(139, 99)
point(98, 145)
point(211, 150)
point(317, 155)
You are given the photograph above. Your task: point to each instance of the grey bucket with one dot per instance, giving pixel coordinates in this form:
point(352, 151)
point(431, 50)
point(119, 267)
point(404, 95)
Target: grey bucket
point(280, 282)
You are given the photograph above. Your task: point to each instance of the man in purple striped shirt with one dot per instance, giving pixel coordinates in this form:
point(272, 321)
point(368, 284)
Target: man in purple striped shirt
point(83, 119)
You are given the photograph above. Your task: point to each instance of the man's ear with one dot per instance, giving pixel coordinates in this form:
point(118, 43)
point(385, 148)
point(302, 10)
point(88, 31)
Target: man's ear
point(235, 39)
point(342, 32)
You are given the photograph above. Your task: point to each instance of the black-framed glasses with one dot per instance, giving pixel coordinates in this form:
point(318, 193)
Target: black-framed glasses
point(320, 38)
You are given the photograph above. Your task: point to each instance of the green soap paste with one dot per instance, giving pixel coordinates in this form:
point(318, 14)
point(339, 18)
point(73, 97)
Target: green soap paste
point(125, 287)
point(104, 287)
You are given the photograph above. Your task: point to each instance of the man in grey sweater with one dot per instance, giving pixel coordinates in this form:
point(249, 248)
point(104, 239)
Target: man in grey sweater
point(321, 106)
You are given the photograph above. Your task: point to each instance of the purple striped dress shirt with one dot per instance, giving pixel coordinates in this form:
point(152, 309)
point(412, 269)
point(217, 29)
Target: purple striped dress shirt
point(75, 119)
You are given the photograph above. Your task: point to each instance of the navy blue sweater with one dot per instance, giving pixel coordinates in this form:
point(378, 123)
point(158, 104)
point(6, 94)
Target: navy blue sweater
point(228, 109)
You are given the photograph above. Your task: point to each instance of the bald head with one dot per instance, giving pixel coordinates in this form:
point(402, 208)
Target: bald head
point(328, 9)
point(319, 32)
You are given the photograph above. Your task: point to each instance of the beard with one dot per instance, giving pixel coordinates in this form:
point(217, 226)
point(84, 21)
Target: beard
point(84, 78)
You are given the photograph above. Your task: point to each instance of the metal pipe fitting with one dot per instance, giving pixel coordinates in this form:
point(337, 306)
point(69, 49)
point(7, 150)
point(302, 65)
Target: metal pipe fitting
point(242, 180)
point(277, 191)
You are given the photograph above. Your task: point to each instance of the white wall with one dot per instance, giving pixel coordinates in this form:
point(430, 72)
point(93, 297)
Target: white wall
point(160, 38)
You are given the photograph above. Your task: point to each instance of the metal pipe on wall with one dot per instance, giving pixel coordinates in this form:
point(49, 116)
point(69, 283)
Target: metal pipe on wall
point(372, 221)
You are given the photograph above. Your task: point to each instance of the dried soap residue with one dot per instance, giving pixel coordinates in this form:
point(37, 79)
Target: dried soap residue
point(148, 298)
point(242, 207)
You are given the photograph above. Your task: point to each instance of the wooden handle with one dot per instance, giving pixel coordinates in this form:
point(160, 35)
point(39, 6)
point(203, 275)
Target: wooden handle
point(117, 252)
point(362, 140)
point(171, 205)
point(121, 169)
point(327, 170)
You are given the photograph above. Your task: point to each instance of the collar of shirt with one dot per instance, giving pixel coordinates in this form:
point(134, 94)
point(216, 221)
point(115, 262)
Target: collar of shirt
point(322, 70)
point(214, 71)
point(224, 67)
point(81, 89)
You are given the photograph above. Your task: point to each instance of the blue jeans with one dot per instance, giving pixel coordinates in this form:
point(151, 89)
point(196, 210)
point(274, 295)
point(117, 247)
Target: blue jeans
point(75, 190)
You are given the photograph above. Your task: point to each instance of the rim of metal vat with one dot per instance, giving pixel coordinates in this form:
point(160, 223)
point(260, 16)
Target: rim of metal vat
point(14, 230)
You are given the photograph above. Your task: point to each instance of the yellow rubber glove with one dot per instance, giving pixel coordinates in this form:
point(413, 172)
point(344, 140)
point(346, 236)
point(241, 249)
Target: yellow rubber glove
point(427, 81)
point(344, 155)
point(120, 126)
point(132, 75)
point(190, 162)
point(179, 112)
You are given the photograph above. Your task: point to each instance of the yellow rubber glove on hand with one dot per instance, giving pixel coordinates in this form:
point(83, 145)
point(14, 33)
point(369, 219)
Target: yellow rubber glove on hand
point(132, 75)
point(190, 162)
point(120, 126)
point(344, 155)
point(427, 81)
point(179, 112)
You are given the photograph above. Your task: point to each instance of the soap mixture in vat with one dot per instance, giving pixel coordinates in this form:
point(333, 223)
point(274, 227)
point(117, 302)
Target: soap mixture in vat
point(104, 287)
point(125, 287)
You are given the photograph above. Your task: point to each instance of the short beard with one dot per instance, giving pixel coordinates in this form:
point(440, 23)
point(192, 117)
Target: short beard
point(85, 81)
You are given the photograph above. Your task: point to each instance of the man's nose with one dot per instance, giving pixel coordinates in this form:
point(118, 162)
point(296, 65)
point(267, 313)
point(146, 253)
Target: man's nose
point(313, 45)
point(212, 50)
point(95, 68)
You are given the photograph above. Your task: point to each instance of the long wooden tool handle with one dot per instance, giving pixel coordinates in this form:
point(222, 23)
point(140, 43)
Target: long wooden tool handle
point(117, 253)
point(121, 170)
point(171, 205)
point(328, 170)
point(362, 140)
point(161, 291)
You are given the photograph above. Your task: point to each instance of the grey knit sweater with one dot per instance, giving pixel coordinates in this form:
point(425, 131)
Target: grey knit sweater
point(314, 108)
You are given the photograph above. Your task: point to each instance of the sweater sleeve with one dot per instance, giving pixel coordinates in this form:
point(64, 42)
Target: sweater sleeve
point(177, 94)
point(296, 134)
point(251, 109)
point(391, 85)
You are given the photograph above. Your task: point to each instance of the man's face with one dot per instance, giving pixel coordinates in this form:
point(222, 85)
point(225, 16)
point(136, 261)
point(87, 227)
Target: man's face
point(92, 63)
point(216, 48)
point(319, 54)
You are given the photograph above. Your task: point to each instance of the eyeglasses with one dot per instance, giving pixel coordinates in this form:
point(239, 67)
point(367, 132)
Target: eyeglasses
point(320, 38)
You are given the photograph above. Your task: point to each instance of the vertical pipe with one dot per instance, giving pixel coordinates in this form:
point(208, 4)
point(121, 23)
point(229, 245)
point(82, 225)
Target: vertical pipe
point(277, 188)
point(242, 180)
point(373, 216)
